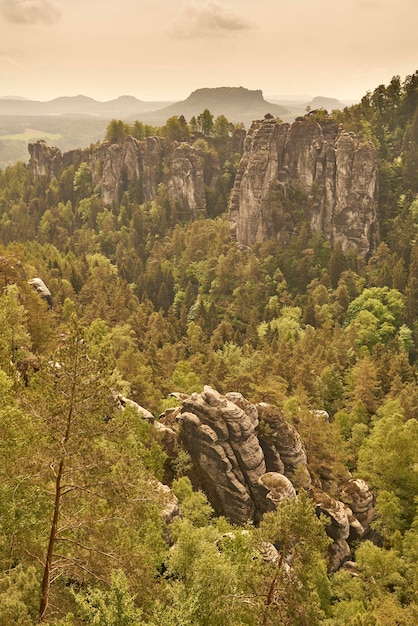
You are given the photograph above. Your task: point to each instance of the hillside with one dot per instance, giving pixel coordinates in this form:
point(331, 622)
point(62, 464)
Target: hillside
point(203, 433)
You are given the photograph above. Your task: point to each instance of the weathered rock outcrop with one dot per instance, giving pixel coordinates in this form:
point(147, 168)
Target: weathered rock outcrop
point(248, 459)
point(339, 516)
point(357, 494)
point(244, 473)
point(282, 446)
point(144, 164)
point(147, 164)
point(222, 439)
point(309, 170)
point(45, 160)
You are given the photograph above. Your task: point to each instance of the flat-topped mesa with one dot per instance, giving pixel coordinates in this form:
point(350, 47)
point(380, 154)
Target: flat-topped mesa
point(144, 164)
point(309, 171)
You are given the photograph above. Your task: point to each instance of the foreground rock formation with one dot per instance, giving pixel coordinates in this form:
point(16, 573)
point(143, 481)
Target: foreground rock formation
point(248, 459)
point(309, 170)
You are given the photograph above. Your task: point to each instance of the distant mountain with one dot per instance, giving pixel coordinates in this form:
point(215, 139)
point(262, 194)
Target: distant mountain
point(236, 103)
point(12, 98)
point(297, 105)
point(81, 106)
point(320, 102)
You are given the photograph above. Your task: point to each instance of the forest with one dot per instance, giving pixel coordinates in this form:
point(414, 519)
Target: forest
point(146, 303)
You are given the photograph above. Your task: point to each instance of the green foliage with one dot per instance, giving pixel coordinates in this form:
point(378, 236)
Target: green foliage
point(194, 504)
point(388, 511)
point(109, 607)
point(18, 597)
point(176, 128)
point(387, 458)
point(14, 336)
point(301, 593)
point(206, 122)
point(375, 315)
point(83, 181)
point(117, 131)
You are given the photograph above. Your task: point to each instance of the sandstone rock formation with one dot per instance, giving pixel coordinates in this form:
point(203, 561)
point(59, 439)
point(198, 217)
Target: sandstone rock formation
point(142, 413)
point(171, 504)
point(339, 516)
point(244, 473)
point(282, 446)
point(45, 160)
point(248, 459)
point(223, 442)
point(357, 494)
point(310, 170)
point(145, 164)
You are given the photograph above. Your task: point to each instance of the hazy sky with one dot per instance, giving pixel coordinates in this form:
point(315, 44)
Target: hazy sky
point(165, 49)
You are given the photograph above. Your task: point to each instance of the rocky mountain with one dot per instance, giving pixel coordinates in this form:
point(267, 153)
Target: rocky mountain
point(311, 169)
point(299, 105)
point(329, 104)
point(236, 103)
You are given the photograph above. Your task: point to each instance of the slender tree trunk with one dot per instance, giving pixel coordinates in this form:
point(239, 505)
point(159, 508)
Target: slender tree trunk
point(46, 580)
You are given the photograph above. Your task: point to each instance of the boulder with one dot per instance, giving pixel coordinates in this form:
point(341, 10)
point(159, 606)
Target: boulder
point(42, 289)
point(171, 504)
point(279, 487)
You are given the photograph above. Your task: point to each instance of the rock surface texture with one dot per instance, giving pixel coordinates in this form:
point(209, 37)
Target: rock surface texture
point(249, 459)
point(310, 170)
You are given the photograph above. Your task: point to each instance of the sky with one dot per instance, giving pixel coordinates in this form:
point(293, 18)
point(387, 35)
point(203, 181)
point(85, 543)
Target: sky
point(162, 50)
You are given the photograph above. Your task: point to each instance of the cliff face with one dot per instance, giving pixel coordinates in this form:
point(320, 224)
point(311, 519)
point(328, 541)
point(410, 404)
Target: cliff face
point(146, 164)
point(310, 169)
point(45, 160)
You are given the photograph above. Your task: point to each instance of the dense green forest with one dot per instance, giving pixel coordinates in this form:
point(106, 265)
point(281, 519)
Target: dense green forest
point(145, 304)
